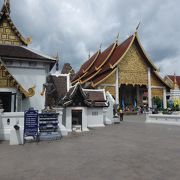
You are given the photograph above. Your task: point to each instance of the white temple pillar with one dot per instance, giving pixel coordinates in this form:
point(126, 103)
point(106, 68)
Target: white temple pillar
point(117, 86)
point(149, 89)
point(164, 98)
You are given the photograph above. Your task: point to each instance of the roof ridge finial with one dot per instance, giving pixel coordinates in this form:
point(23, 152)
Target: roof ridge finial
point(89, 55)
point(117, 38)
point(138, 26)
point(7, 4)
point(100, 47)
point(57, 61)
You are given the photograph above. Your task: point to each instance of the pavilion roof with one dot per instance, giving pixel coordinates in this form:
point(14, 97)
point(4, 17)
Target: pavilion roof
point(23, 53)
point(88, 97)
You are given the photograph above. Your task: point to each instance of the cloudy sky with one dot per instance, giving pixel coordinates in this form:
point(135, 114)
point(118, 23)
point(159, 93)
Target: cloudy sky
point(76, 27)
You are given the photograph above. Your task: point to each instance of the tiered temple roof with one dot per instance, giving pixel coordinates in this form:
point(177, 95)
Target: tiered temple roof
point(102, 64)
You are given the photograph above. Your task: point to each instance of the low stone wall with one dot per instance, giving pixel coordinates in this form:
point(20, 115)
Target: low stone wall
point(163, 119)
point(7, 122)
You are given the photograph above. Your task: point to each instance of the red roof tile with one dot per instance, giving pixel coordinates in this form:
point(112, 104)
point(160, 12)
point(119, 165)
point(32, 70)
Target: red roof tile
point(99, 61)
point(120, 50)
point(177, 79)
point(87, 65)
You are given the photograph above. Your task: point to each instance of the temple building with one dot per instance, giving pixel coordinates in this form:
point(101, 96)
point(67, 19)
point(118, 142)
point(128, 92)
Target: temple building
point(126, 72)
point(22, 70)
point(174, 82)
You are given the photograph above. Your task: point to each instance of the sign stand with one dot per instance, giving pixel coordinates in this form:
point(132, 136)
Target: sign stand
point(48, 126)
point(31, 124)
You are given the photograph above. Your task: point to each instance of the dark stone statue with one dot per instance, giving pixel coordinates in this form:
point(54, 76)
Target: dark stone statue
point(50, 93)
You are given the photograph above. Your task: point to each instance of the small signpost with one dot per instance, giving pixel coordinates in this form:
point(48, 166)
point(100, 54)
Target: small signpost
point(31, 123)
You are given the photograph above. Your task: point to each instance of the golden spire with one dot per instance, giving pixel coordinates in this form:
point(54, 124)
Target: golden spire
point(7, 4)
point(175, 82)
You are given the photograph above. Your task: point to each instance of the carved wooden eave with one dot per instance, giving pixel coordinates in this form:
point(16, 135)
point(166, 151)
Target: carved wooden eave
point(169, 81)
point(14, 83)
point(6, 13)
point(97, 83)
point(145, 54)
point(162, 80)
point(105, 60)
point(85, 70)
point(79, 78)
point(90, 77)
point(135, 37)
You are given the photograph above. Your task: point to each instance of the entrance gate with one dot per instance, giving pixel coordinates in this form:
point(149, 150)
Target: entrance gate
point(77, 120)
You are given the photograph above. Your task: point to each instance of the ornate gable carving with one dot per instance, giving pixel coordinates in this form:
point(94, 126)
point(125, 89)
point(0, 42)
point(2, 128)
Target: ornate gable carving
point(7, 35)
point(133, 69)
point(6, 80)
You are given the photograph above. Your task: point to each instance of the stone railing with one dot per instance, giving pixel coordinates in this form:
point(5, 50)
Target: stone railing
point(163, 119)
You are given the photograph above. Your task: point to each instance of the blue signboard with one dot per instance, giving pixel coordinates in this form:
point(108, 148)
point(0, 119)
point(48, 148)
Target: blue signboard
point(31, 122)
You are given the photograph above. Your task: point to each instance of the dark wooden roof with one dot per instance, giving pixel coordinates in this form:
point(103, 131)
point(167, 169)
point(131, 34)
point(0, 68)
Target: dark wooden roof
point(77, 96)
point(22, 53)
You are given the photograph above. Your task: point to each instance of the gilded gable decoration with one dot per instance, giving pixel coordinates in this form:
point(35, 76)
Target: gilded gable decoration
point(9, 34)
point(7, 80)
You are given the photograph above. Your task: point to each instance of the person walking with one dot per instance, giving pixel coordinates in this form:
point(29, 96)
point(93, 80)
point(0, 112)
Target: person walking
point(121, 114)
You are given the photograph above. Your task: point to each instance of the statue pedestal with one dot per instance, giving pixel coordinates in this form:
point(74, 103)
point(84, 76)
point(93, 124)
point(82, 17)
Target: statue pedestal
point(62, 128)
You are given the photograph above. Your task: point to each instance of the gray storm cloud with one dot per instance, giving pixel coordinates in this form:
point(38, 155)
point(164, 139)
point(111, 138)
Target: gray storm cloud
point(75, 27)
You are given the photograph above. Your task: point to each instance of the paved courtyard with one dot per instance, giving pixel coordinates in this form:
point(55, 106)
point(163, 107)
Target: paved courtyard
point(132, 150)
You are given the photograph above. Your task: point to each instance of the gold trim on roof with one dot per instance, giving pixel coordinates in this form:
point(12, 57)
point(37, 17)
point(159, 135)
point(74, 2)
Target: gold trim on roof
point(92, 62)
point(78, 79)
point(90, 77)
point(31, 90)
point(97, 68)
point(94, 85)
point(113, 66)
point(150, 61)
point(161, 79)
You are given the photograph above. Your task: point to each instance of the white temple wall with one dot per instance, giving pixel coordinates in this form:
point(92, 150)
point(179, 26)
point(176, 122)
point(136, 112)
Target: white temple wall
point(28, 77)
point(7, 122)
point(95, 117)
point(68, 123)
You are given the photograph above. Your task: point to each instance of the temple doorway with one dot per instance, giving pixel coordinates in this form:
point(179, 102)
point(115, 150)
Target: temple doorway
point(77, 120)
point(6, 101)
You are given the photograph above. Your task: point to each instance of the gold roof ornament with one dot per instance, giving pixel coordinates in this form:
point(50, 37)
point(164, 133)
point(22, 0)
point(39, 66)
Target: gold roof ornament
point(7, 5)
